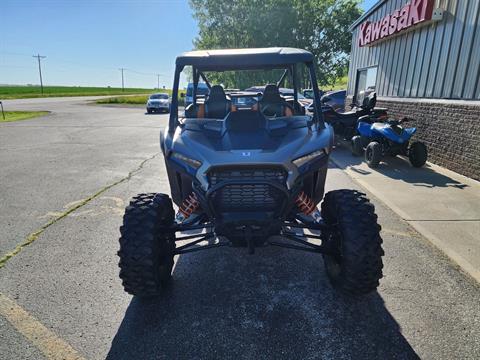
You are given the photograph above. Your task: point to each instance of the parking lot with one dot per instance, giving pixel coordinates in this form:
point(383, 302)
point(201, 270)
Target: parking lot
point(65, 180)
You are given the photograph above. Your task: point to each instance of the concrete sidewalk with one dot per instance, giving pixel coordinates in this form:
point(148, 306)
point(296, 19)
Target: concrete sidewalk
point(441, 205)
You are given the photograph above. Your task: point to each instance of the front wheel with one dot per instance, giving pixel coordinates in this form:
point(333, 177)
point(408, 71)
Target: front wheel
point(373, 154)
point(147, 244)
point(355, 263)
point(417, 154)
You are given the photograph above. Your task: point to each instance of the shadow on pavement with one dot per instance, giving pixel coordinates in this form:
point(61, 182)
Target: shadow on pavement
point(397, 168)
point(277, 304)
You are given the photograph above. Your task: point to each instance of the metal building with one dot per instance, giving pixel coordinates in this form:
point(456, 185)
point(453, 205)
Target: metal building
point(422, 57)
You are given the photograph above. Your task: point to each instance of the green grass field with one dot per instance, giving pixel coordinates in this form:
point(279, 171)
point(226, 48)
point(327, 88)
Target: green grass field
point(21, 115)
point(22, 92)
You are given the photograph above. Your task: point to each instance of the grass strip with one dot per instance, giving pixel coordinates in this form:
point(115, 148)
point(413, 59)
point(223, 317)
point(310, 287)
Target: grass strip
point(140, 100)
point(21, 115)
point(136, 99)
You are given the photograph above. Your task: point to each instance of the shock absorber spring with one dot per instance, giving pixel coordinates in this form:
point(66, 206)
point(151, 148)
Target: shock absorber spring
point(305, 204)
point(188, 207)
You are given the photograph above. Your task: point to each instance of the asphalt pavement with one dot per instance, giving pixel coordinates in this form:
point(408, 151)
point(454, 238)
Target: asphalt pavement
point(60, 296)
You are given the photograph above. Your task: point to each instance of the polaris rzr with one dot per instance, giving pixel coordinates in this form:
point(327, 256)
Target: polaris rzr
point(378, 139)
point(248, 173)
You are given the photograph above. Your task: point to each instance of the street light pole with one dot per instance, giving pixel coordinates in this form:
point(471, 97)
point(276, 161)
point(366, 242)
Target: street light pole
point(158, 81)
point(38, 56)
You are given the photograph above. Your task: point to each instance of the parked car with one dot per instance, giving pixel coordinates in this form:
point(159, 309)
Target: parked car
point(158, 103)
point(202, 91)
point(249, 178)
point(335, 99)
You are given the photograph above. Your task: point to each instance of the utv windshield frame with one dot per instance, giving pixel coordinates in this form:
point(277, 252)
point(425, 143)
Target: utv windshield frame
point(244, 59)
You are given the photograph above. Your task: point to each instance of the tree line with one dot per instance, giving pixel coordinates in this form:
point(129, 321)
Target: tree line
point(320, 26)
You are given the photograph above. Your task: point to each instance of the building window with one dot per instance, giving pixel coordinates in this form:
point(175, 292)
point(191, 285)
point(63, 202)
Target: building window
point(366, 81)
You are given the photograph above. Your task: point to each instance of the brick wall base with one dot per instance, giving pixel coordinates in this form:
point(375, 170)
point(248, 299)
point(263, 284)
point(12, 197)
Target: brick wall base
point(451, 130)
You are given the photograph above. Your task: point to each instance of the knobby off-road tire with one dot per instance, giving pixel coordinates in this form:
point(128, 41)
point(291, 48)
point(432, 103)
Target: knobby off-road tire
point(356, 238)
point(147, 244)
point(357, 146)
point(417, 154)
point(373, 154)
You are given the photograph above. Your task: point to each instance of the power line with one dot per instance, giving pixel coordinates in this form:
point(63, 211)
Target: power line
point(38, 56)
point(56, 60)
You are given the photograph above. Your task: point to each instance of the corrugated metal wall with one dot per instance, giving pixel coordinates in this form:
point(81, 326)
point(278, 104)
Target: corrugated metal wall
point(439, 60)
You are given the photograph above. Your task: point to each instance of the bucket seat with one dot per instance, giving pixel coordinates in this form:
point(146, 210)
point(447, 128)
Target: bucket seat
point(271, 104)
point(217, 104)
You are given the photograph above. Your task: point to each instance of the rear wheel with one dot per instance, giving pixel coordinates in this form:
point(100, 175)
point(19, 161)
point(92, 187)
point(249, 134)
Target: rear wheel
point(357, 147)
point(147, 244)
point(355, 239)
point(373, 154)
point(417, 154)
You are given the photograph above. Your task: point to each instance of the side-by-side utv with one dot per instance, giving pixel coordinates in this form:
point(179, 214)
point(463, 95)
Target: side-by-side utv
point(248, 170)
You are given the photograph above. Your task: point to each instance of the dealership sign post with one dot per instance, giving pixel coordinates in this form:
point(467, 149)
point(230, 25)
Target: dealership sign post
point(413, 13)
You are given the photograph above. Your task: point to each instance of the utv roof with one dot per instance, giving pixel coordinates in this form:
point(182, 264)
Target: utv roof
point(238, 59)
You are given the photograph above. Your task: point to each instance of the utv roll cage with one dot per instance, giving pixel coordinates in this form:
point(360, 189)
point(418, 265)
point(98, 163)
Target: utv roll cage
point(244, 169)
point(245, 59)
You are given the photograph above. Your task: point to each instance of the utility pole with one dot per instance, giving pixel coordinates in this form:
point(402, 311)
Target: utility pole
point(123, 84)
point(158, 81)
point(38, 56)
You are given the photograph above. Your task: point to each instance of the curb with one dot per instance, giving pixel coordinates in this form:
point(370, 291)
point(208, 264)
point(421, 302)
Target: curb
point(464, 265)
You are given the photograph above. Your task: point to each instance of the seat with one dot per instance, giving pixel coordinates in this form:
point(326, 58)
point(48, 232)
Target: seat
point(271, 104)
point(217, 106)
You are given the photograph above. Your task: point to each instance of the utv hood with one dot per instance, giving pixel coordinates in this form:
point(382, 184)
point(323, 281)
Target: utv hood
point(252, 140)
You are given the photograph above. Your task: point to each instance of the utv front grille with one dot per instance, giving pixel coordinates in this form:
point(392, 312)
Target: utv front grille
point(248, 189)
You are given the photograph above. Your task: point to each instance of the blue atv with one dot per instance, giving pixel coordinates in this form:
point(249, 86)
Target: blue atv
point(378, 139)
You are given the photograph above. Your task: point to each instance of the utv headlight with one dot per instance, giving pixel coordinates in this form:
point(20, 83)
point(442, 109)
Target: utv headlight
point(299, 162)
point(186, 160)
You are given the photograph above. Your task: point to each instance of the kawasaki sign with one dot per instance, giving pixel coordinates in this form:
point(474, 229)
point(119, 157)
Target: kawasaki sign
point(413, 13)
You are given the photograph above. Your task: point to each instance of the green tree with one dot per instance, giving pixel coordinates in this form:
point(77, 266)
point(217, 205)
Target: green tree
point(320, 26)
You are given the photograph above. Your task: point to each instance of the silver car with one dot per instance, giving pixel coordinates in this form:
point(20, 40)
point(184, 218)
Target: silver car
point(158, 103)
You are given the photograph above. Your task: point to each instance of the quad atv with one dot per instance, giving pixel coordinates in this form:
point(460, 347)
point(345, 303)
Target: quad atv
point(345, 123)
point(248, 172)
point(378, 139)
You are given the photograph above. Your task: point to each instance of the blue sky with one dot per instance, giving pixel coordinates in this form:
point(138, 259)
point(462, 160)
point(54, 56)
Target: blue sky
point(86, 41)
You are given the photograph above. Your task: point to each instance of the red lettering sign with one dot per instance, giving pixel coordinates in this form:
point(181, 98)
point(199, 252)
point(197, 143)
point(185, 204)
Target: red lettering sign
point(413, 13)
